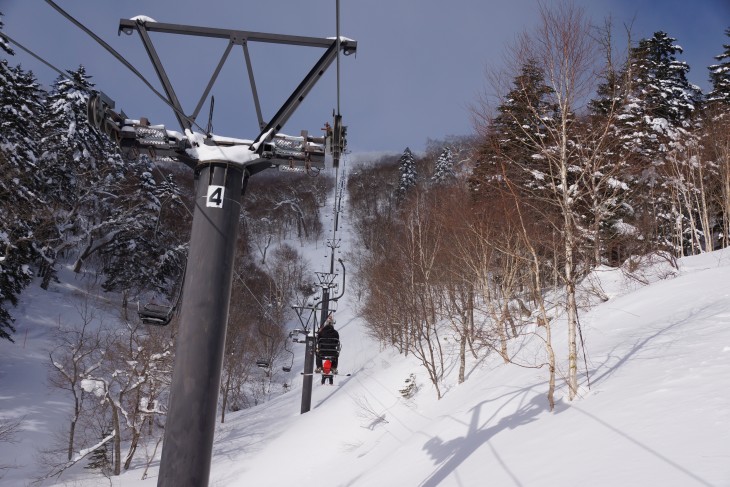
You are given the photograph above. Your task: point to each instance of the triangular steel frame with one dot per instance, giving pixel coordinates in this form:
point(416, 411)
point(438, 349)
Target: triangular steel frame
point(243, 38)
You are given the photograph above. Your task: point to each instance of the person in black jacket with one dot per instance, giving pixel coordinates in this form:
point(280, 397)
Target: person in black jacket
point(328, 344)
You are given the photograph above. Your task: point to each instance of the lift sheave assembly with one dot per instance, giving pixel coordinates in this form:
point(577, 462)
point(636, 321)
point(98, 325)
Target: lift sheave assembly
point(268, 149)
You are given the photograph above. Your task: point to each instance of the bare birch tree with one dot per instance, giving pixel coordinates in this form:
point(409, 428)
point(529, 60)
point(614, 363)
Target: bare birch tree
point(564, 50)
point(421, 244)
point(77, 355)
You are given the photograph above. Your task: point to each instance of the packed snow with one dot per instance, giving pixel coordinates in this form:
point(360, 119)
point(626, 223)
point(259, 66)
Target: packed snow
point(656, 411)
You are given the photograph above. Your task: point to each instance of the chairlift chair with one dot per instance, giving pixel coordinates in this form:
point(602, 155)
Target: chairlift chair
point(155, 314)
point(263, 363)
point(287, 368)
point(159, 314)
point(295, 335)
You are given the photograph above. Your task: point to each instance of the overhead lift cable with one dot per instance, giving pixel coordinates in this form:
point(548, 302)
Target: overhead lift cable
point(122, 60)
point(65, 75)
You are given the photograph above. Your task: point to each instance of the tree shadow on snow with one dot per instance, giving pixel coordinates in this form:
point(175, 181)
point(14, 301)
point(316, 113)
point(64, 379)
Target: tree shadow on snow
point(450, 454)
point(637, 347)
point(644, 447)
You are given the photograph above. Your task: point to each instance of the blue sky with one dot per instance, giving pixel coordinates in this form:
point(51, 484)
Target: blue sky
point(420, 64)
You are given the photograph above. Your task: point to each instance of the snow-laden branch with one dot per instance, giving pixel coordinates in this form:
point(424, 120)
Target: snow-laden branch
point(57, 472)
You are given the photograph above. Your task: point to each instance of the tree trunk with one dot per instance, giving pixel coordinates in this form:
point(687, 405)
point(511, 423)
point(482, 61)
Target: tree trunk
point(117, 455)
point(551, 363)
point(572, 310)
point(225, 398)
point(726, 212)
point(462, 354)
point(85, 254)
point(548, 330)
point(74, 421)
point(71, 434)
point(132, 449)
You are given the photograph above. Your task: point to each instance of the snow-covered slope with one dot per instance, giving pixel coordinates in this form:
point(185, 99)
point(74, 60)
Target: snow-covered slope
point(657, 411)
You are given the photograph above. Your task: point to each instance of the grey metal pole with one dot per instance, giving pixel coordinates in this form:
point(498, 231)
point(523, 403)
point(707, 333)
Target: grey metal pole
point(188, 442)
point(325, 305)
point(309, 357)
point(308, 374)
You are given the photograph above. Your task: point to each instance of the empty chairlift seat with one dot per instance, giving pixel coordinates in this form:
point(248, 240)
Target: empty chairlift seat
point(155, 314)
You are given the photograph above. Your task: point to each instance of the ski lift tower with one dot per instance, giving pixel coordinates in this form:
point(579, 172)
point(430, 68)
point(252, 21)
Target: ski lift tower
point(327, 282)
point(222, 166)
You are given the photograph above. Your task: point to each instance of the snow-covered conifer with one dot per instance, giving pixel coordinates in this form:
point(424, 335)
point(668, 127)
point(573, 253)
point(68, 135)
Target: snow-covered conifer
point(655, 127)
point(80, 170)
point(444, 169)
point(144, 255)
point(408, 172)
point(516, 133)
point(4, 45)
point(19, 195)
point(720, 76)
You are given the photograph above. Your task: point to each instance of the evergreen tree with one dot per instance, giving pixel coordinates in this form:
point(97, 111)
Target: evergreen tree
point(444, 170)
point(75, 157)
point(516, 133)
point(660, 100)
point(609, 93)
point(607, 180)
point(716, 142)
point(144, 255)
point(4, 45)
point(408, 173)
point(81, 170)
point(655, 125)
point(19, 200)
point(720, 76)
point(100, 459)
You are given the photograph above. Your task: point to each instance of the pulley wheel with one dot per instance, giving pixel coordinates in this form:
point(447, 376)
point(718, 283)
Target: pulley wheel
point(95, 111)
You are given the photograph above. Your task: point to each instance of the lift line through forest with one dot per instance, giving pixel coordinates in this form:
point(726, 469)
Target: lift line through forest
point(222, 166)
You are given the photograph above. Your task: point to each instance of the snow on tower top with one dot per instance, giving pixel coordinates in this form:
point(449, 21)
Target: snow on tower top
point(143, 18)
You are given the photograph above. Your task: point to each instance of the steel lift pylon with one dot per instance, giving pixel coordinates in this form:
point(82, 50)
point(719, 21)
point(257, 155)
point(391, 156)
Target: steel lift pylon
point(222, 166)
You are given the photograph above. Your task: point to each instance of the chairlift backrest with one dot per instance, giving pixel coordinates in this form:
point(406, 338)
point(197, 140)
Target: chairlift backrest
point(328, 346)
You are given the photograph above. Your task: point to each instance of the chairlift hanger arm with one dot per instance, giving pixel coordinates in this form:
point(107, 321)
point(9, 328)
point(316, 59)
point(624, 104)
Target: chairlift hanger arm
point(312, 313)
point(212, 80)
point(342, 264)
point(254, 91)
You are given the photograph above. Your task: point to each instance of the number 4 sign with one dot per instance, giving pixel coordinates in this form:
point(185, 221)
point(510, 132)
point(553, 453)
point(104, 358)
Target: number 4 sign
point(215, 196)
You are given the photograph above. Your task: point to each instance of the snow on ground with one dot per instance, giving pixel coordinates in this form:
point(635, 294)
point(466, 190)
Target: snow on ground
point(657, 411)
point(23, 372)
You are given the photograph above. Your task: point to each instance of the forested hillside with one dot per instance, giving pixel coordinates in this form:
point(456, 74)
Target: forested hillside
point(574, 169)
